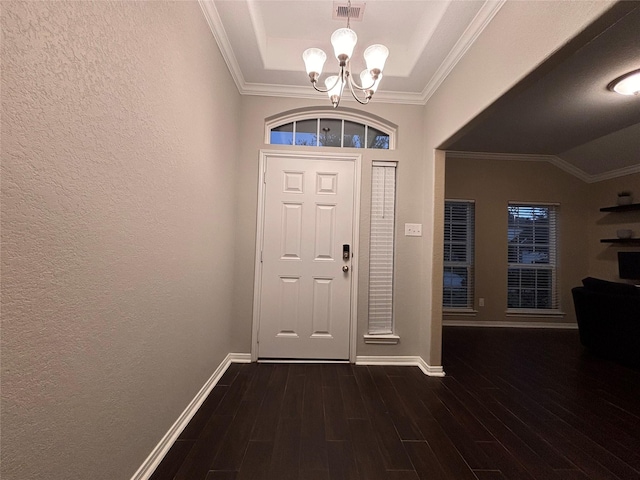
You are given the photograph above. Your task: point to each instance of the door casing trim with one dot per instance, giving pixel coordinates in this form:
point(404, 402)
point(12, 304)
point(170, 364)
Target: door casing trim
point(257, 284)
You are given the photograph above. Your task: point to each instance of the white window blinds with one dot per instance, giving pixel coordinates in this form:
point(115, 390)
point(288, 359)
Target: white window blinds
point(532, 257)
point(381, 247)
point(458, 278)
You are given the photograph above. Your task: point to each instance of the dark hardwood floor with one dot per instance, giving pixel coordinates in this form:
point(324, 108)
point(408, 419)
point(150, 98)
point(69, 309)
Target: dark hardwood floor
point(516, 404)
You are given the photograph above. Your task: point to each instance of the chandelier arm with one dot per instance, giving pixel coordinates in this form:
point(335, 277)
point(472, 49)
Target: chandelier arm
point(319, 89)
point(355, 84)
point(338, 78)
point(353, 93)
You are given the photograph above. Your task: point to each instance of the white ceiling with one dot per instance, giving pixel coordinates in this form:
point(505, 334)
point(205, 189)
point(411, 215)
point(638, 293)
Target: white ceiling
point(566, 115)
point(263, 41)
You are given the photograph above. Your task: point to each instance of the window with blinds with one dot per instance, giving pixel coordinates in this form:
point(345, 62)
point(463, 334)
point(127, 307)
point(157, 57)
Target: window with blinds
point(459, 226)
point(532, 257)
point(381, 247)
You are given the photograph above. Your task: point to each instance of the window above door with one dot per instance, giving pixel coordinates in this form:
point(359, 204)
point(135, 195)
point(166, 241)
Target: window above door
point(321, 128)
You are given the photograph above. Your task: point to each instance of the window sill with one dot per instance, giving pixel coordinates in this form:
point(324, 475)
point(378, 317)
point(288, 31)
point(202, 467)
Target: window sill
point(524, 312)
point(459, 312)
point(388, 339)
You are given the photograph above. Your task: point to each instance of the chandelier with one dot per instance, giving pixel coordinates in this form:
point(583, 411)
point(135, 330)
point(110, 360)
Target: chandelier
point(344, 41)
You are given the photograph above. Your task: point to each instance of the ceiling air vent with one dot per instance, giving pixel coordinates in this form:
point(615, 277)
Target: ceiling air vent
point(341, 11)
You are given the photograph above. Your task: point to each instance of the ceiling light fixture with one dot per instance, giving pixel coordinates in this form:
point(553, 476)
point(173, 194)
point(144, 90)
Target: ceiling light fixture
point(343, 41)
point(627, 84)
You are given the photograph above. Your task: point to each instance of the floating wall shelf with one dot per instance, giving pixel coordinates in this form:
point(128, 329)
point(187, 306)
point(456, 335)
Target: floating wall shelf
point(623, 241)
point(621, 208)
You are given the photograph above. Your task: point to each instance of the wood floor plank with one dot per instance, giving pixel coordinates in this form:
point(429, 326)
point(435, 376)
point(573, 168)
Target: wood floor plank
point(236, 390)
point(502, 460)
point(196, 464)
point(528, 436)
point(453, 464)
point(464, 417)
point(258, 384)
point(221, 475)
point(489, 475)
point(342, 463)
point(424, 461)
point(199, 420)
point(394, 456)
point(313, 475)
point(468, 449)
point(407, 389)
point(267, 419)
point(402, 474)
point(351, 397)
point(369, 393)
point(579, 457)
point(230, 374)
point(236, 440)
point(389, 442)
point(366, 450)
point(405, 426)
point(604, 457)
point(572, 475)
point(285, 459)
point(313, 446)
point(335, 419)
point(329, 374)
point(255, 464)
point(173, 460)
point(292, 400)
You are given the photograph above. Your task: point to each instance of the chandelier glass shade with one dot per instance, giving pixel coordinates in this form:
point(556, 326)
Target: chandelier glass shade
point(344, 41)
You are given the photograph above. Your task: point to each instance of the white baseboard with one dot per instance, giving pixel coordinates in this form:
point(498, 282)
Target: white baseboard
point(397, 360)
point(157, 454)
point(477, 323)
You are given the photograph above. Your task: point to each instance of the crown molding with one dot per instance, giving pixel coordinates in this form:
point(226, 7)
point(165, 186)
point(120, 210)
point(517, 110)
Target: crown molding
point(524, 157)
point(620, 172)
point(488, 10)
point(475, 28)
point(217, 29)
point(296, 91)
point(553, 159)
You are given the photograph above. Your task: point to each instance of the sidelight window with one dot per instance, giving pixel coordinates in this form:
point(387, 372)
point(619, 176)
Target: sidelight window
point(381, 247)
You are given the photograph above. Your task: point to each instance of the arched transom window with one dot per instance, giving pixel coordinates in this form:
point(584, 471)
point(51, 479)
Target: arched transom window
point(316, 129)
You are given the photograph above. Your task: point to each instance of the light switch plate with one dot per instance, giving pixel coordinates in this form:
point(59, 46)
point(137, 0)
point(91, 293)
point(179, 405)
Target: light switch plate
point(412, 229)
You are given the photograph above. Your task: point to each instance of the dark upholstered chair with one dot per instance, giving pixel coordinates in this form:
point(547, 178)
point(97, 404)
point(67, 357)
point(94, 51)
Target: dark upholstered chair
point(608, 315)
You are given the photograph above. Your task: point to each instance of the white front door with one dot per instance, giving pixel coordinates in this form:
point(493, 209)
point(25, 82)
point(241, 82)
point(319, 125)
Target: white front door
point(306, 283)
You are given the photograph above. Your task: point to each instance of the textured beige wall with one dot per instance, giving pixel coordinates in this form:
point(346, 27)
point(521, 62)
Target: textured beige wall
point(119, 140)
point(493, 184)
point(603, 257)
point(409, 210)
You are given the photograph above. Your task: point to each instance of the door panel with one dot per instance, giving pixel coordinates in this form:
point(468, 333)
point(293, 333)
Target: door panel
point(305, 296)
